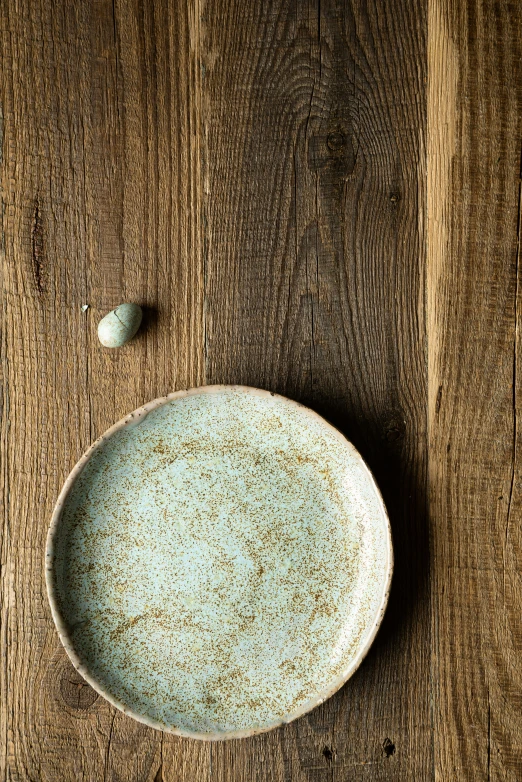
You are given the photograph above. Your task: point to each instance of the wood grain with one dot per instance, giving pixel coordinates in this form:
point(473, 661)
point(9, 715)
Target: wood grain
point(475, 134)
point(100, 205)
point(319, 198)
point(315, 269)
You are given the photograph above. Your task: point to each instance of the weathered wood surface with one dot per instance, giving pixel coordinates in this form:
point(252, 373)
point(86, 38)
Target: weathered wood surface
point(475, 385)
point(322, 199)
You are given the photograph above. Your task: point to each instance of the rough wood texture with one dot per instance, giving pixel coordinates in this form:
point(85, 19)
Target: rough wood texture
point(101, 204)
point(320, 198)
point(315, 289)
point(475, 367)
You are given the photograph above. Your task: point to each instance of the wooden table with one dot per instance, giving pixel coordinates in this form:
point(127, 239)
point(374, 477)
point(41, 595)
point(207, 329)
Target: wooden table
point(321, 199)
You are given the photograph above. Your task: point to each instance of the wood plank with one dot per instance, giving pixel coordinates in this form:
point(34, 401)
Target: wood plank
point(315, 119)
point(101, 204)
point(475, 131)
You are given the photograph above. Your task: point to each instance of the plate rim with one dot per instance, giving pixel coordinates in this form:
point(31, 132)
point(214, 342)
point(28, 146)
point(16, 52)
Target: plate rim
point(63, 632)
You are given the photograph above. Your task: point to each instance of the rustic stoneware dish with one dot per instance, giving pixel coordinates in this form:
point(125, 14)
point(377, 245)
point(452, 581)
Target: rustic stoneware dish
point(218, 562)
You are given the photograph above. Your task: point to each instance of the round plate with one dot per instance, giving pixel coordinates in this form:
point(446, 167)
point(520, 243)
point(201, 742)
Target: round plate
point(218, 562)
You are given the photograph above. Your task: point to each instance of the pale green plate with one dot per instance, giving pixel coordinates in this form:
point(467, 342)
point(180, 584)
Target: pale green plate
point(218, 562)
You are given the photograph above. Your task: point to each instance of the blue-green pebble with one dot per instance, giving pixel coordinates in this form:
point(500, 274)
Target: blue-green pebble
point(120, 325)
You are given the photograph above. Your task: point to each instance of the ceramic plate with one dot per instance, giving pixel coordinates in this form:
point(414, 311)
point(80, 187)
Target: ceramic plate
point(218, 562)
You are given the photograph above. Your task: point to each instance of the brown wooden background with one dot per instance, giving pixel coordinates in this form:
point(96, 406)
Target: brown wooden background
point(321, 199)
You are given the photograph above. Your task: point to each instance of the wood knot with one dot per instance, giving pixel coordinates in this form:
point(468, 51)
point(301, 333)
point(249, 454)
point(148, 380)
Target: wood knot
point(328, 754)
point(388, 747)
point(335, 141)
point(394, 429)
point(332, 155)
point(74, 690)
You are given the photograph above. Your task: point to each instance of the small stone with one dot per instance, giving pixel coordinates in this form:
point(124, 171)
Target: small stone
point(120, 325)
point(85, 307)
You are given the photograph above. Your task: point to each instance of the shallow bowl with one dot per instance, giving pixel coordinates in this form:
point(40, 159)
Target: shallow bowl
point(218, 562)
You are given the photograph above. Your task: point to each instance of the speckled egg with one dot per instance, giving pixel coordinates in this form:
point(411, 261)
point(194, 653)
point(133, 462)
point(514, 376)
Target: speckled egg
point(120, 325)
point(218, 562)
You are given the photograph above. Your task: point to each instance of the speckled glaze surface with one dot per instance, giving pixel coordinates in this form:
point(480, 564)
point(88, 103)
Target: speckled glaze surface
point(218, 562)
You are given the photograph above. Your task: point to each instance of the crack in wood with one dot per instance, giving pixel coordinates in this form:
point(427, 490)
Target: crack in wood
point(515, 367)
point(37, 247)
point(489, 738)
